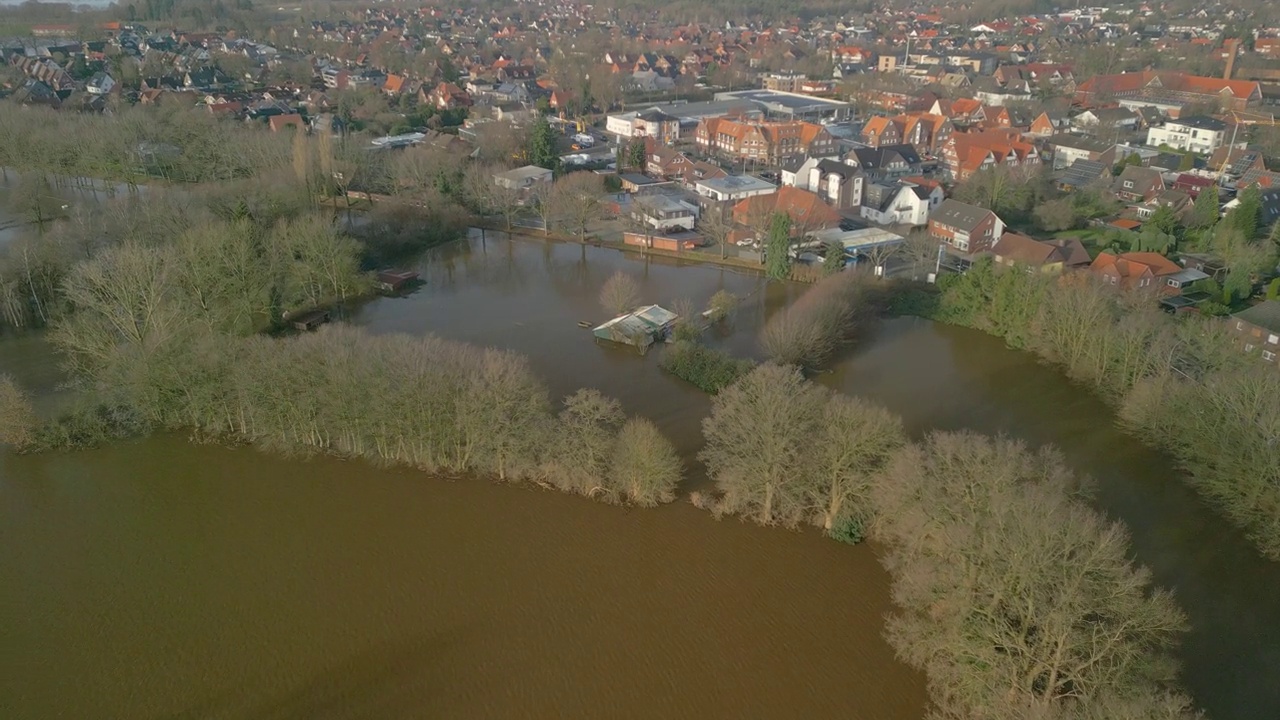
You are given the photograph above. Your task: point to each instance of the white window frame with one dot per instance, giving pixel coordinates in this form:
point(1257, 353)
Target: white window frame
point(1268, 356)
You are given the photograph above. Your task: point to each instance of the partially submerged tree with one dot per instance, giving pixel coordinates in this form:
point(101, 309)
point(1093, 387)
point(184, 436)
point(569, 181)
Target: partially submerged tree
point(620, 293)
point(645, 468)
point(1016, 596)
point(584, 443)
point(758, 443)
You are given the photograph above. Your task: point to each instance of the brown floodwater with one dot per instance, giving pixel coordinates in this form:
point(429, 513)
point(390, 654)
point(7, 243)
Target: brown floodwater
point(161, 579)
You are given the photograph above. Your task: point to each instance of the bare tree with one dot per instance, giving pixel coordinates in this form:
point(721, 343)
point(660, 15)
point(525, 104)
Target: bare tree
point(645, 468)
point(920, 250)
point(757, 449)
point(857, 439)
point(578, 199)
point(620, 293)
point(486, 196)
point(584, 443)
point(986, 525)
point(717, 229)
point(502, 142)
point(503, 416)
point(813, 328)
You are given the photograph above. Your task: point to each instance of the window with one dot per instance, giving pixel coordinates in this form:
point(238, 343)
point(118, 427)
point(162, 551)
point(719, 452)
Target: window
point(1128, 184)
point(1144, 282)
point(1268, 355)
point(1239, 324)
point(1173, 283)
point(1248, 347)
point(1272, 339)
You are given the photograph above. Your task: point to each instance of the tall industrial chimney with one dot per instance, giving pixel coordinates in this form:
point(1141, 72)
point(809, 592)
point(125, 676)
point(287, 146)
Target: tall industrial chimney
point(1232, 45)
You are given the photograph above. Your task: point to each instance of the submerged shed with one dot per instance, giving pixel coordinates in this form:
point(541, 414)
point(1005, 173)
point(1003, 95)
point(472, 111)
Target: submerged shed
point(395, 280)
point(641, 327)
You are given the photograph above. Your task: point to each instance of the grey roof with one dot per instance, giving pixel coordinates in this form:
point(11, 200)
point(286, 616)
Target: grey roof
point(961, 215)
point(1083, 172)
point(833, 166)
point(790, 101)
point(734, 183)
point(1080, 142)
point(656, 115)
point(1265, 315)
point(1270, 205)
point(1201, 122)
point(880, 156)
point(1114, 114)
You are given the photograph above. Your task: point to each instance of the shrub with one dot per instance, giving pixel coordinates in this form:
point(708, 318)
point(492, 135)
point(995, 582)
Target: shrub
point(722, 305)
point(708, 370)
point(850, 531)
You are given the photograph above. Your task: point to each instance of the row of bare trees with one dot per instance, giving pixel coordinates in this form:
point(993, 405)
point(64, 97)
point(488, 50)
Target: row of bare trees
point(1016, 599)
point(1181, 383)
point(172, 142)
point(427, 403)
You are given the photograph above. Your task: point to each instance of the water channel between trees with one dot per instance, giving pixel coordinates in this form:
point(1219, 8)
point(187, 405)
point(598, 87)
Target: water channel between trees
point(169, 580)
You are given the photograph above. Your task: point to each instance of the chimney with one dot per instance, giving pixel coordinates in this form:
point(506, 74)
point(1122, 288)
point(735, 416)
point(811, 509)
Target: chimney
point(1231, 45)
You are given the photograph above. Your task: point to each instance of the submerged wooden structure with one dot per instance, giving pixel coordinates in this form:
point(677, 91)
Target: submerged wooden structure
point(392, 281)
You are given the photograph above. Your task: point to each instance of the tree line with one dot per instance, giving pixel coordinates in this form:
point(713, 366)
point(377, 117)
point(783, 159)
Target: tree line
point(1015, 598)
point(427, 403)
point(1182, 384)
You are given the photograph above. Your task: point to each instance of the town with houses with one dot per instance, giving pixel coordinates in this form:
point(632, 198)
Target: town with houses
point(1089, 140)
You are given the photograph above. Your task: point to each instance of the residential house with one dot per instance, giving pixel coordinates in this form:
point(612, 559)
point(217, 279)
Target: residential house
point(1068, 148)
point(1198, 134)
point(966, 229)
point(671, 164)
point(806, 210)
point(1082, 174)
point(1236, 162)
point(1270, 213)
point(733, 188)
point(1105, 122)
point(901, 202)
point(1018, 250)
point(880, 130)
point(514, 112)
point(1047, 123)
point(1192, 184)
point(1137, 270)
point(522, 178)
point(100, 84)
point(837, 183)
point(291, 120)
point(1258, 329)
point(886, 162)
point(924, 131)
point(653, 123)
point(664, 213)
point(1138, 184)
point(446, 96)
point(965, 154)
